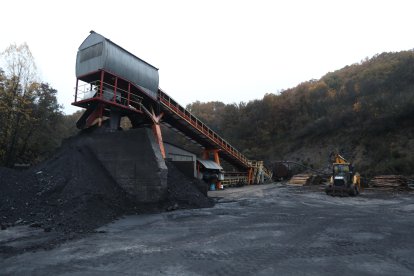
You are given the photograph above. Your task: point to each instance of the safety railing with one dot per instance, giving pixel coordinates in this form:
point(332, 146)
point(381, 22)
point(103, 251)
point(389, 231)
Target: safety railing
point(85, 91)
point(107, 92)
point(185, 115)
point(235, 178)
point(259, 168)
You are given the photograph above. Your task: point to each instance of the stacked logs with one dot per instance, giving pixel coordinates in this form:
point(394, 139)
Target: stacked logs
point(305, 179)
point(389, 182)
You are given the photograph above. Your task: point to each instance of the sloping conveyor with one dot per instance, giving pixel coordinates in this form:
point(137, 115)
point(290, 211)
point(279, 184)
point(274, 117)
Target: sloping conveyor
point(182, 120)
point(112, 82)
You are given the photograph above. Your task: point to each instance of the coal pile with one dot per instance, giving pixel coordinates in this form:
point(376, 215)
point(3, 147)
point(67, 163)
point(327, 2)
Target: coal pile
point(184, 192)
point(74, 193)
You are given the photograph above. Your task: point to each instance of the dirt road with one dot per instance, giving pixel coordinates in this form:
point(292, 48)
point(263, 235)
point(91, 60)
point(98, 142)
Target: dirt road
point(257, 230)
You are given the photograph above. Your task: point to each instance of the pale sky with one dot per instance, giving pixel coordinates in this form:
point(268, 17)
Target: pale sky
point(229, 51)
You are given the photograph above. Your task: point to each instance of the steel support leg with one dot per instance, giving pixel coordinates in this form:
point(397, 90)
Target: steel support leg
point(156, 120)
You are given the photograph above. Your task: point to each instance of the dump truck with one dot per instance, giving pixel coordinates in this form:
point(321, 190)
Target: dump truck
point(344, 181)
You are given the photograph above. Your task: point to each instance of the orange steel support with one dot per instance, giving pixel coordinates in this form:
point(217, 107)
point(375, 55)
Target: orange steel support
point(250, 177)
point(206, 155)
point(95, 117)
point(157, 132)
point(156, 119)
point(115, 87)
point(101, 84)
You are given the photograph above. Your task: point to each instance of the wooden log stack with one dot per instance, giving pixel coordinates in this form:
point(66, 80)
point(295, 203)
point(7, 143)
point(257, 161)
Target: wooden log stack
point(305, 179)
point(300, 179)
point(389, 182)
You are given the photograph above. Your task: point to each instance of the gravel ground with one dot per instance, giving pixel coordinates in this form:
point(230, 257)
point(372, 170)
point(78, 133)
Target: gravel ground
point(269, 229)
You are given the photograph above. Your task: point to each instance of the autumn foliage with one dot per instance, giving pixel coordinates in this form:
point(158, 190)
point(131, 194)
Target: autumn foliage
point(31, 121)
point(365, 110)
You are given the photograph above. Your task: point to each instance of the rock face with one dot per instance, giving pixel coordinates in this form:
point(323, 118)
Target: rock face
point(134, 161)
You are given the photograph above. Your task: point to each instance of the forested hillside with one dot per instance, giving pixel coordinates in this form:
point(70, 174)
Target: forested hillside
point(365, 111)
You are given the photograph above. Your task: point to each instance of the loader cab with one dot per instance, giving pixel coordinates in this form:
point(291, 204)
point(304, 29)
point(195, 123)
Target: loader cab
point(343, 180)
point(341, 174)
point(340, 169)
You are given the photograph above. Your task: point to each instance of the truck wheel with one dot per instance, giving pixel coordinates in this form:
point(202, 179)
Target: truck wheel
point(352, 190)
point(356, 190)
point(328, 190)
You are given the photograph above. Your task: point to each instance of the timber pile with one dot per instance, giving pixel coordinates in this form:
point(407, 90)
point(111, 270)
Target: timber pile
point(389, 182)
point(305, 179)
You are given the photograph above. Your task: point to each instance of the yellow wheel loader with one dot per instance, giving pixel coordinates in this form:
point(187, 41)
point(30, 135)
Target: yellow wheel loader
point(343, 180)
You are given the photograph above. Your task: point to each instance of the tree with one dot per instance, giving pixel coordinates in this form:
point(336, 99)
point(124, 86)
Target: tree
point(209, 113)
point(29, 112)
point(20, 65)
